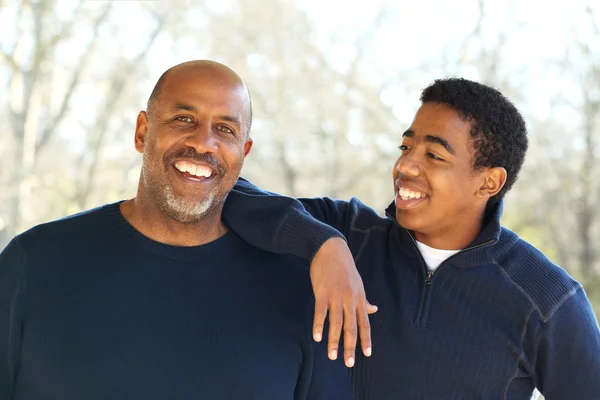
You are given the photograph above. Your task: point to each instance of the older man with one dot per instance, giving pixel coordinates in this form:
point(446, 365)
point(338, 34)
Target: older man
point(153, 297)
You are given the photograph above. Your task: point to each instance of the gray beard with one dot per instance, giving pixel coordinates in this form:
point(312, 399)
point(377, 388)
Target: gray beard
point(176, 207)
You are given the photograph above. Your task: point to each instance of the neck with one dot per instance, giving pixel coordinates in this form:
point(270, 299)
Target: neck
point(154, 224)
point(453, 237)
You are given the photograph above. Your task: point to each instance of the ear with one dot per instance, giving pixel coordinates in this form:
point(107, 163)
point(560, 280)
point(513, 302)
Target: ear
point(141, 129)
point(493, 181)
point(247, 146)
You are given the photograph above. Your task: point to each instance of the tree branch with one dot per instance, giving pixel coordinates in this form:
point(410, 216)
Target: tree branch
point(83, 61)
point(118, 84)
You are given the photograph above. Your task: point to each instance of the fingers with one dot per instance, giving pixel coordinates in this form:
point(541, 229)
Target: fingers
point(371, 309)
point(319, 319)
point(353, 322)
point(336, 320)
point(364, 328)
point(350, 336)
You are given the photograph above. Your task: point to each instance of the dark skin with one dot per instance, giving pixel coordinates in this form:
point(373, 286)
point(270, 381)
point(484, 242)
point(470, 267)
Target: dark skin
point(200, 120)
point(202, 109)
point(436, 161)
point(446, 196)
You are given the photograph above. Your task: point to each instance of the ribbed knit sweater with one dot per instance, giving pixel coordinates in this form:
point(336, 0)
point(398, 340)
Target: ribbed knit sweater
point(493, 322)
point(91, 309)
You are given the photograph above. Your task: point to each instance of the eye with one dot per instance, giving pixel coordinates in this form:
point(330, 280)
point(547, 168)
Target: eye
point(184, 118)
point(403, 147)
point(225, 129)
point(434, 157)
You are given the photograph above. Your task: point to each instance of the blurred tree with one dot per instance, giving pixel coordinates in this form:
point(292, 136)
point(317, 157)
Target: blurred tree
point(329, 109)
point(33, 110)
point(44, 79)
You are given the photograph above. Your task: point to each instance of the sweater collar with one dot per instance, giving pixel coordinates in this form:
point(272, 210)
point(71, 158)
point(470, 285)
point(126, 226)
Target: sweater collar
point(486, 247)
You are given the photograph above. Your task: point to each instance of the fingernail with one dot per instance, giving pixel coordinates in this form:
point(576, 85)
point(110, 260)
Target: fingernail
point(333, 354)
point(368, 352)
point(350, 362)
point(317, 337)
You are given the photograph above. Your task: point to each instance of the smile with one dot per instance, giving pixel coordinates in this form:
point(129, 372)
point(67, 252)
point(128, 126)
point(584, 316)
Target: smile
point(408, 194)
point(193, 171)
point(409, 198)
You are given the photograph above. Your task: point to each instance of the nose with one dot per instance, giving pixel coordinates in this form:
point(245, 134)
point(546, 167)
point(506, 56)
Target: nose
point(202, 139)
point(408, 164)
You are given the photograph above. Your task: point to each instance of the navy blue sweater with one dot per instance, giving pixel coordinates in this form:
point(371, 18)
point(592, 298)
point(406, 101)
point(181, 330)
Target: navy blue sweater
point(92, 309)
point(493, 322)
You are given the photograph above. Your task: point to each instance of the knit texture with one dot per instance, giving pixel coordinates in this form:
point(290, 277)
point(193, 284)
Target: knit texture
point(496, 320)
point(92, 309)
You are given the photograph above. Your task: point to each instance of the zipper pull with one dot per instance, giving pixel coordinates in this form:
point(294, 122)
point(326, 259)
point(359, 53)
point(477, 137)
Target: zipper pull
point(428, 277)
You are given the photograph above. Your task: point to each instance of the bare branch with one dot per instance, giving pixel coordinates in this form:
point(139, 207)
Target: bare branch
point(593, 19)
point(118, 84)
point(83, 61)
point(10, 60)
point(67, 27)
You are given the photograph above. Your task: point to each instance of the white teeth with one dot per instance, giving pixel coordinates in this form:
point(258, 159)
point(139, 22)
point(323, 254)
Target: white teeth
point(196, 170)
point(408, 194)
point(181, 167)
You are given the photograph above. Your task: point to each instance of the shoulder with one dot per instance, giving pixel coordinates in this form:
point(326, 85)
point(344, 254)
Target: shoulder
point(77, 226)
point(546, 285)
point(364, 217)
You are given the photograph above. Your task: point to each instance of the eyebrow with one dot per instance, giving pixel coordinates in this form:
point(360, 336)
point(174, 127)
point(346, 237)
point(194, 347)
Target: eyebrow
point(432, 139)
point(183, 106)
point(229, 118)
point(188, 107)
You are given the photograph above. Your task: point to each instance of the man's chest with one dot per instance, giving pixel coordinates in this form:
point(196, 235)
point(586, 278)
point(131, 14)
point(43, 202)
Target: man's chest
point(165, 337)
point(454, 337)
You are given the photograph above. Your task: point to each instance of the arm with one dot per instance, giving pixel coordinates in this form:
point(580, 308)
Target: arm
point(12, 286)
point(568, 361)
point(285, 225)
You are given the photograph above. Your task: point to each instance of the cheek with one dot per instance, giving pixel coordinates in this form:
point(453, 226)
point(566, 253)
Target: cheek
point(233, 156)
point(395, 169)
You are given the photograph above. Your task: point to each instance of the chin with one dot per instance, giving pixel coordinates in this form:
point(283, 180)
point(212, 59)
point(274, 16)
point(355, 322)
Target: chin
point(410, 222)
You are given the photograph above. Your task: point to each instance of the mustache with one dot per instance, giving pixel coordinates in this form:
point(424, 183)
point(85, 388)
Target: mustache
point(191, 154)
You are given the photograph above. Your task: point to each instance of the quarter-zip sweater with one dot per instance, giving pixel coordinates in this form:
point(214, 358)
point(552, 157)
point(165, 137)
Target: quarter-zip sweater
point(494, 321)
point(91, 309)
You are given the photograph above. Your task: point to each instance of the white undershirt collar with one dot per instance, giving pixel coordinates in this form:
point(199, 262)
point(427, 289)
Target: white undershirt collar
point(434, 257)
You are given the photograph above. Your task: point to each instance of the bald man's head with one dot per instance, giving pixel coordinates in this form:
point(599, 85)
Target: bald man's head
point(189, 69)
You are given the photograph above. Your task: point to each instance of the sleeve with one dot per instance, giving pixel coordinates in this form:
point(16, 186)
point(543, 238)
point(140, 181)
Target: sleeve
point(12, 288)
point(568, 360)
point(281, 224)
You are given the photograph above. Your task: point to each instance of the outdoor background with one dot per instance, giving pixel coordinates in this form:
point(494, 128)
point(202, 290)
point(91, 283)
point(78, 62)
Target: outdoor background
point(334, 85)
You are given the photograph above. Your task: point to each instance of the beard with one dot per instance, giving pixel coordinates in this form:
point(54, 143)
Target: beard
point(177, 207)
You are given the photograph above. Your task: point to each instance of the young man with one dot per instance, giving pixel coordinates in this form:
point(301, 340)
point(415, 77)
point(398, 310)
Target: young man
point(153, 298)
point(467, 309)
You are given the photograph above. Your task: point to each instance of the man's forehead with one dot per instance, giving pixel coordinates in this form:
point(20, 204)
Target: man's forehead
point(440, 119)
point(195, 92)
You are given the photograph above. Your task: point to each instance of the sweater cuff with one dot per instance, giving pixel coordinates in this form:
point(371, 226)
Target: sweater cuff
point(303, 236)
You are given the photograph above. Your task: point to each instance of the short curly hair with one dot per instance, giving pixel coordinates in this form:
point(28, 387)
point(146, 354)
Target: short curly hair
point(497, 127)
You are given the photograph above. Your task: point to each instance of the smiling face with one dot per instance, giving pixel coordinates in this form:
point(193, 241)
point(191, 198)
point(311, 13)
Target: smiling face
point(194, 140)
point(439, 196)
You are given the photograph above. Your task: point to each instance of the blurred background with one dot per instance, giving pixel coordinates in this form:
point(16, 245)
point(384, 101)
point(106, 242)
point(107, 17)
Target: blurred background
point(334, 85)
